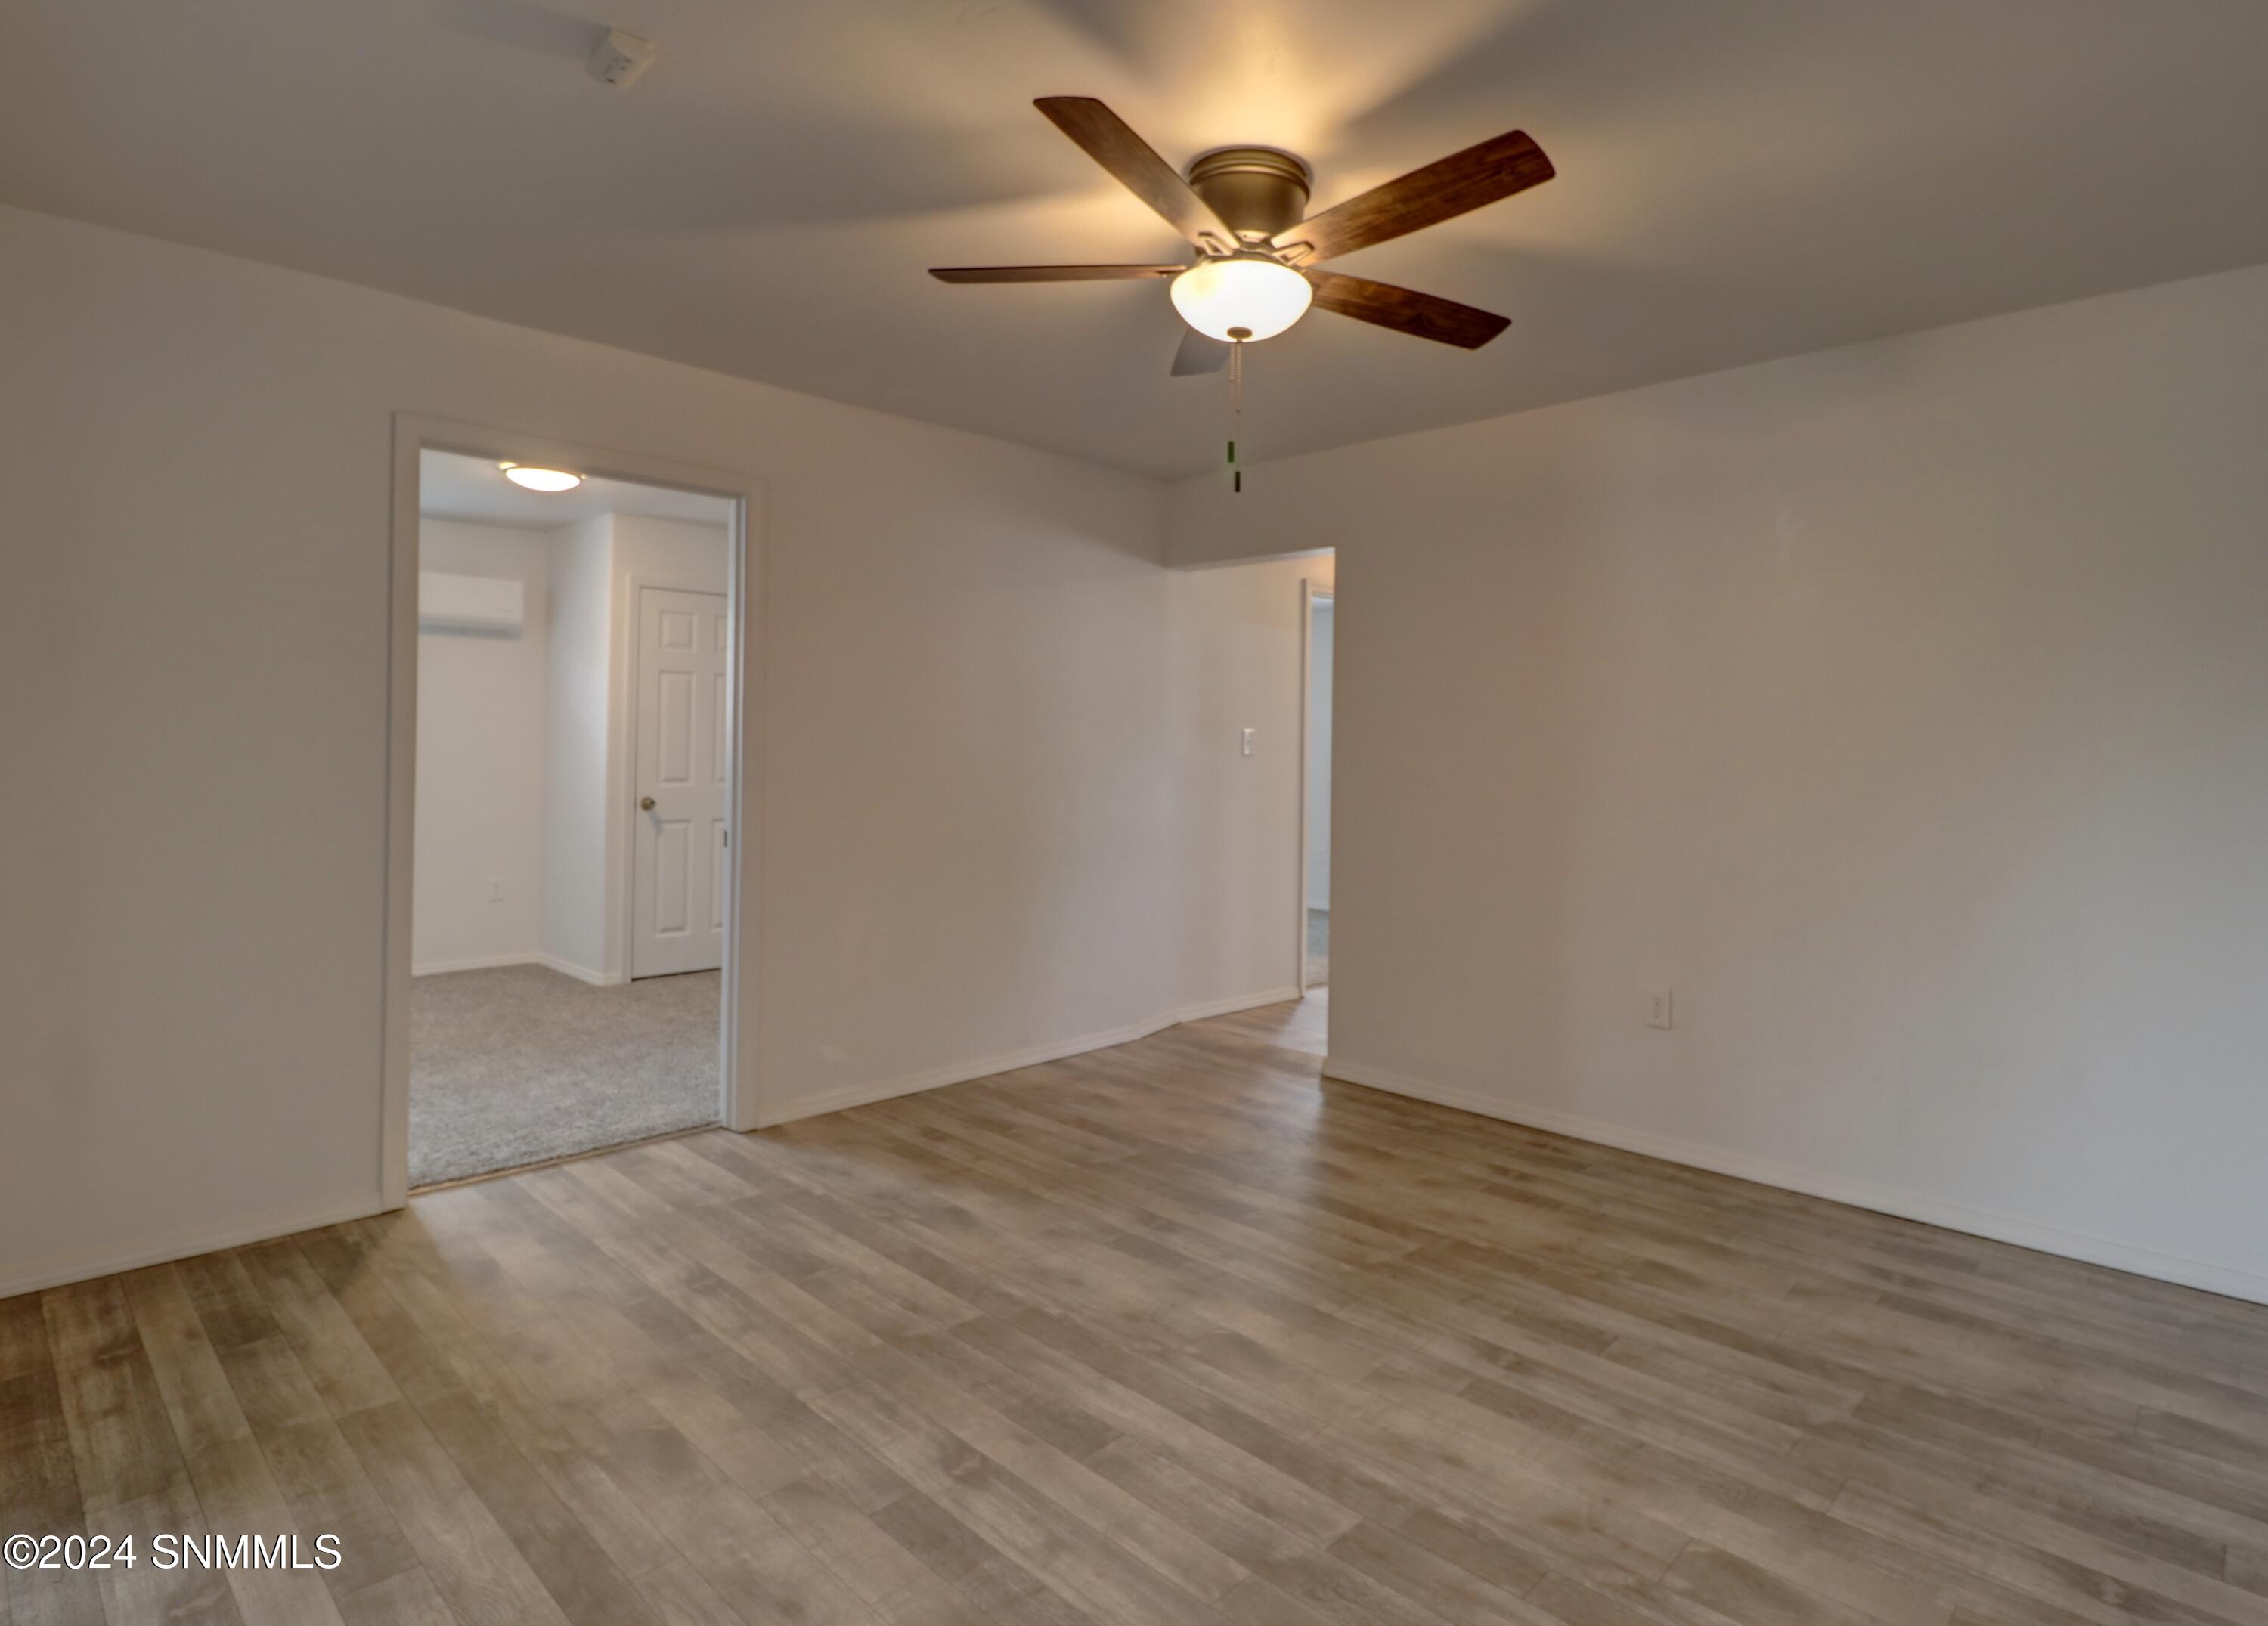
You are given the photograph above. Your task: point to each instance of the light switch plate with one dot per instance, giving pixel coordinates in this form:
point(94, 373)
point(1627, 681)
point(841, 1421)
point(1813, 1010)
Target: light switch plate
point(1655, 1008)
point(1248, 741)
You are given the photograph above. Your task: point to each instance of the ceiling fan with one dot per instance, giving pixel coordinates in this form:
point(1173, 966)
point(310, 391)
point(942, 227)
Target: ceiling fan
point(1257, 268)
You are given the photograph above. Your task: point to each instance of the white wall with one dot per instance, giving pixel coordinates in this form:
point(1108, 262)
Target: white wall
point(1900, 705)
point(1237, 666)
point(480, 761)
point(667, 552)
point(965, 802)
point(1319, 757)
point(1904, 707)
point(577, 932)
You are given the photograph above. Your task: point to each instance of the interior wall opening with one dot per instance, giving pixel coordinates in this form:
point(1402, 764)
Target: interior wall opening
point(571, 828)
point(1315, 791)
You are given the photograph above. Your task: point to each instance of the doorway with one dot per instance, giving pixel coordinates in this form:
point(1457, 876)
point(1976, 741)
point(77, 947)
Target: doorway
point(560, 972)
point(1317, 622)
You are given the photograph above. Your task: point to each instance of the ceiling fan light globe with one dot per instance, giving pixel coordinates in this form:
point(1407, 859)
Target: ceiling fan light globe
point(1252, 292)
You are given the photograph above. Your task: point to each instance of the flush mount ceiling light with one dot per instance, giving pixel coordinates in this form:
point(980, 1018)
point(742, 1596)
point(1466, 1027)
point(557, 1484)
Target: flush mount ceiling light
point(1244, 296)
point(540, 479)
point(1244, 210)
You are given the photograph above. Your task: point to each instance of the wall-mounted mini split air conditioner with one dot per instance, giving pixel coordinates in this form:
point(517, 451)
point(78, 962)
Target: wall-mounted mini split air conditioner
point(495, 606)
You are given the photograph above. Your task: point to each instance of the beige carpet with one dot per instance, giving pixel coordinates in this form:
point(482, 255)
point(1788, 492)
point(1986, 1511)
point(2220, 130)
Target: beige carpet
point(518, 1064)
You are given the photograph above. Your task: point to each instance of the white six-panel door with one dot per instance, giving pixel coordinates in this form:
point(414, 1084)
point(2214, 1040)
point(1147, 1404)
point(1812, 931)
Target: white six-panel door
point(677, 878)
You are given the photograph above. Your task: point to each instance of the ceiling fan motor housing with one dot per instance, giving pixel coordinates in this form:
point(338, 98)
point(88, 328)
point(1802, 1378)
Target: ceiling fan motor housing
point(1257, 191)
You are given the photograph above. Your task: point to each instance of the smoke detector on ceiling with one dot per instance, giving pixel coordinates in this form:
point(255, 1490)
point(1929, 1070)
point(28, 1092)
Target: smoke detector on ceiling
point(619, 58)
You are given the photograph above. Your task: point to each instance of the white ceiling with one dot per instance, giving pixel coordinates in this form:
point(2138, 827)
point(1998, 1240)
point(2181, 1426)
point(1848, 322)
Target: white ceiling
point(452, 486)
point(1738, 179)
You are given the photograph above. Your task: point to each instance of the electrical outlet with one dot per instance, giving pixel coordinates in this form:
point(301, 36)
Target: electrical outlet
point(496, 889)
point(1655, 1008)
point(1248, 741)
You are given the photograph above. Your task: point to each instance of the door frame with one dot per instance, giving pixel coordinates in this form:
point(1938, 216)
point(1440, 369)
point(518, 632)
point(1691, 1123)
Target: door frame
point(739, 1086)
point(626, 855)
point(1310, 591)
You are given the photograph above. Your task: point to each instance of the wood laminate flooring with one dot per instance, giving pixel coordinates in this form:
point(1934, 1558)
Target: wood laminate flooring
point(1163, 1333)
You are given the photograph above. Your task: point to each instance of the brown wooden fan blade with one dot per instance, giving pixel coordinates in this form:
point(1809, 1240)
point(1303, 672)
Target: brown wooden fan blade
point(1198, 354)
point(1441, 191)
point(1111, 141)
point(1425, 315)
point(1052, 272)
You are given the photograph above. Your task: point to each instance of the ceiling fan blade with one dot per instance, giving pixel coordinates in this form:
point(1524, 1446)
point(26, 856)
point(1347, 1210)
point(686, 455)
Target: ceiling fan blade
point(1052, 272)
point(1425, 315)
point(1441, 191)
point(1111, 141)
point(1198, 354)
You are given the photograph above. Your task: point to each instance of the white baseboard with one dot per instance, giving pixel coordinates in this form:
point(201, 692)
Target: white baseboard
point(481, 962)
point(581, 974)
point(961, 1073)
point(187, 1245)
point(2227, 1280)
point(1232, 1004)
point(565, 967)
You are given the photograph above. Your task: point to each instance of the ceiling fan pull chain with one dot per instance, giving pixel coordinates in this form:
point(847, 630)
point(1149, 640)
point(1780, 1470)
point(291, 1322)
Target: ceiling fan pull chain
point(1235, 410)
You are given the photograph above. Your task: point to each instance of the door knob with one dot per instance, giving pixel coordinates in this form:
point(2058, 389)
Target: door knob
point(646, 802)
